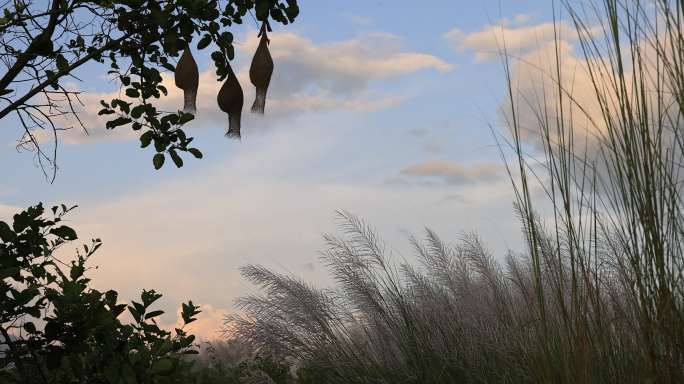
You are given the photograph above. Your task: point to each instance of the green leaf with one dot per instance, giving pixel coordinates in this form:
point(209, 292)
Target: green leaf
point(158, 160)
point(123, 106)
point(62, 63)
point(132, 93)
point(165, 347)
point(30, 327)
point(149, 296)
point(146, 139)
point(33, 311)
point(154, 314)
point(185, 117)
point(188, 311)
point(51, 330)
point(10, 271)
point(171, 42)
point(204, 41)
point(111, 296)
point(135, 312)
point(195, 152)
point(76, 271)
point(278, 15)
point(117, 122)
point(53, 77)
point(64, 232)
point(6, 233)
point(160, 143)
point(262, 8)
point(176, 158)
point(137, 111)
point(292, 10)
point(226, 39)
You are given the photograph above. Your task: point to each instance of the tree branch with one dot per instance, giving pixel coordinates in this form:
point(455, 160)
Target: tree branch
point(25, 57)
point(52, 79)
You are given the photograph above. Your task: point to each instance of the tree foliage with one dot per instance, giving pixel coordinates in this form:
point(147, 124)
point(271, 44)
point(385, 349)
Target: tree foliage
point(44, 43)
point(55, 328)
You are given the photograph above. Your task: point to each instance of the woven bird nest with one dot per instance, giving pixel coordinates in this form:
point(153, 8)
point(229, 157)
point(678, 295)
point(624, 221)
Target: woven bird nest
point(230, 97)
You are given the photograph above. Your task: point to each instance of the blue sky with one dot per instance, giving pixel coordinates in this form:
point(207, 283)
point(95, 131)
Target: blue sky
point(381, 108)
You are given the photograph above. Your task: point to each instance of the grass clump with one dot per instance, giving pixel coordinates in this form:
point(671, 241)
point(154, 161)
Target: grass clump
point(598, 294)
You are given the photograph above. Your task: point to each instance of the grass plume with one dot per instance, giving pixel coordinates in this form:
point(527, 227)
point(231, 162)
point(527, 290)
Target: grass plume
point(598, 293)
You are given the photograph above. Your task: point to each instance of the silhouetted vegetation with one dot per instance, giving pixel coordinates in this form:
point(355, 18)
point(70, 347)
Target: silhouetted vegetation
point(598, 295)
point(42, 43)
point(234, 362)
point(55, 328)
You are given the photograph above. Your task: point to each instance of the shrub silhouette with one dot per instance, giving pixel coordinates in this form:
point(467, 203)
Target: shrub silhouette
point(55, 328)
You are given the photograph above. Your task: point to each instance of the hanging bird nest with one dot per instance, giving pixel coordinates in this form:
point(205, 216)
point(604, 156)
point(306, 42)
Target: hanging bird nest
point(261, 70)
point(230, 99)
point(187, 78)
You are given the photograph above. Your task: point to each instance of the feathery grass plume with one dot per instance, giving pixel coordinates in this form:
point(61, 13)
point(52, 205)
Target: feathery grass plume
point(186, 77)
point(460, 317)
point(261, 69)
point(597, 295)
point(616, 209)
point(230, 99)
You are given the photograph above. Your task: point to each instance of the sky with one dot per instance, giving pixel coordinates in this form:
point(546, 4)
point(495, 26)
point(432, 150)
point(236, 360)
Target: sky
point(384, 109)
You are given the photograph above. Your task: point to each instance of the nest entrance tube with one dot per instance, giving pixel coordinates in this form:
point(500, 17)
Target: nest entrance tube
point(230, 99)
point(261, 70)
point(186, 77)
point(234, 126)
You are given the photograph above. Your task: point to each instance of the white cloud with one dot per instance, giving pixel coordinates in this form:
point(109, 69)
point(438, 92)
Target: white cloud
point(187, 238)
point(544, 66)
point(492, 40)
point(557, 91)
point(344, 66)
point(537, 90)
point(451, 172)
point(308, 77)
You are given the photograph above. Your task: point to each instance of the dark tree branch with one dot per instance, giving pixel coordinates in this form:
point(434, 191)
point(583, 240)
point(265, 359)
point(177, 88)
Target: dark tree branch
point(43, 42)
point(54, 78)
point(29, 54)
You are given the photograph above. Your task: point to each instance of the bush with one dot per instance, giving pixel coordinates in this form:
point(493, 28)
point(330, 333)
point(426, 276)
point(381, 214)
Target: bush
point(235, 362)
point(56, 329)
